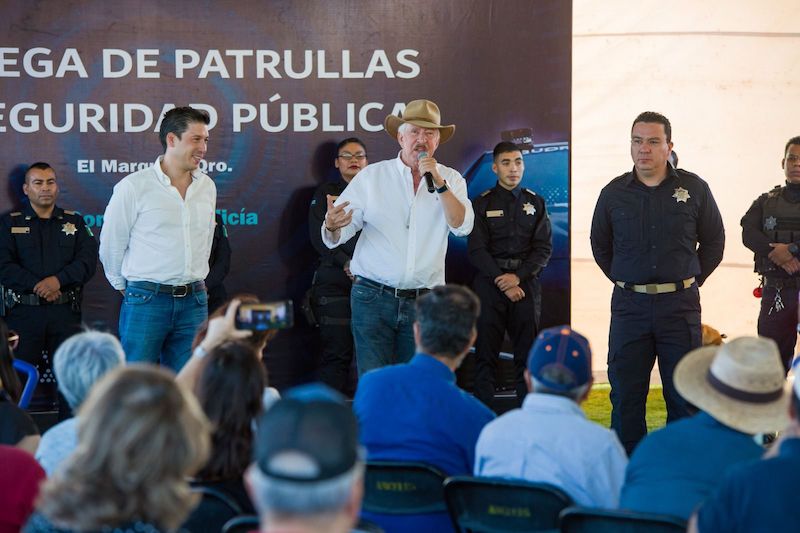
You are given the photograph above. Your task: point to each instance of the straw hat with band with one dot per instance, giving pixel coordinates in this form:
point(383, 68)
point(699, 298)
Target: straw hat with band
point(742, 384)
point(422, 113)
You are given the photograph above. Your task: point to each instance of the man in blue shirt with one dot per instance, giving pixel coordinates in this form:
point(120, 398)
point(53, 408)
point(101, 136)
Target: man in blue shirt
point(415, 411)
point(674, 469)
point(761, 495)
point(549, 440)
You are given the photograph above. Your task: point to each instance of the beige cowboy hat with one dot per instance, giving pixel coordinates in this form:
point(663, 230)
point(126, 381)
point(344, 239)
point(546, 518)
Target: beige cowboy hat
point(422, 113)
point(742, 384)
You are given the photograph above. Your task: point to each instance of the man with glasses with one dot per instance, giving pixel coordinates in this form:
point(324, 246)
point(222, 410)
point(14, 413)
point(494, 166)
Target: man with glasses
point(47, 254)
point(771, 228)
point(405, 209)
point(333, 279)
point(657, 234)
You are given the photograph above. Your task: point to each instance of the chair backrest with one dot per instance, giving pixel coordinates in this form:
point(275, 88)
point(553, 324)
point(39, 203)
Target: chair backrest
point(393, 487)
point(28, 369)
point(214, 511)
point(241, 524)
point(584, 520)
point(502, 505)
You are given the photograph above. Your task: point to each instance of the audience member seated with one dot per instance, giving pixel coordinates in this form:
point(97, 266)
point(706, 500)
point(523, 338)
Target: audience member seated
point(415, 411)
point(549, 439)
point(139, 436)
point(230, 388)
point(78, 363)
point(760, 495)
point(308, 471)
point(16, 426)
point(20, 476)
point(674, 469)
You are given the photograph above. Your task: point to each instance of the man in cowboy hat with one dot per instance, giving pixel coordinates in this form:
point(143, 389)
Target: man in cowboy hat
point(740, 390)
point(404, 225)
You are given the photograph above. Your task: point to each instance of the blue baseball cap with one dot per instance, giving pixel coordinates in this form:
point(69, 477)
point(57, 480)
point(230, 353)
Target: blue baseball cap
point(560, 359)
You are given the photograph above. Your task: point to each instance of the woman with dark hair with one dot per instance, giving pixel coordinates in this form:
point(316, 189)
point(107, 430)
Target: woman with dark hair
point(139, 436)
point(16, 426)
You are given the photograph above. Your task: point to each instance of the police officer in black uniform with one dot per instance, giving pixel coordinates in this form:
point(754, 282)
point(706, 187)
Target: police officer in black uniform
point(219, 264)
point(47, 254)
point(657, 234)
point(330, 292)
point(510, 244)
point(771, 229)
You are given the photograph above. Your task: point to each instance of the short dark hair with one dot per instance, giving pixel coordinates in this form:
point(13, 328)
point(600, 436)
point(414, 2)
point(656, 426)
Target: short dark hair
point(446, 318)
point(178, 119)
point(40, 165)
point(349, 140)
point(230, 389)
point(652, 116)
point(503, 147)
point(793, 140)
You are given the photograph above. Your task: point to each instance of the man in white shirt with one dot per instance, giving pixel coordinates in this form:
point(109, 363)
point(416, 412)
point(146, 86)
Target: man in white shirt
point(155, 243)
point(549, 440)
point(404, 220)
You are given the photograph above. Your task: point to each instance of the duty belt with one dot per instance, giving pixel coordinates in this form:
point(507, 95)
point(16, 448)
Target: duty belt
point(177, 291)
point(657, 288)
point(397, 293)
point(34, 299)
point(508, 264)
point(782, 283)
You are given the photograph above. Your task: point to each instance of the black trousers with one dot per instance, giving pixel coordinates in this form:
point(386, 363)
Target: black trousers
point(499, 314)
point(42, 329)
point(780, 326)
point(332, 309)
point(643, 327)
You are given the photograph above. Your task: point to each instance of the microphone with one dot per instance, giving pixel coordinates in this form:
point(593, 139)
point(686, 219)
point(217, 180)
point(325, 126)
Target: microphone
point(427, 175)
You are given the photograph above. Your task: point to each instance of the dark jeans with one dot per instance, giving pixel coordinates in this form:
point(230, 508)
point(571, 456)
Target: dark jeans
point(643, 327)
point(382, 327)
point(780, 326)
point(156, 327)
point(499, 314)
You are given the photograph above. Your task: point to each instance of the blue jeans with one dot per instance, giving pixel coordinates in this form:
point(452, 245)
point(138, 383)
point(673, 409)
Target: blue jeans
point(382, 327)
point(156, 327)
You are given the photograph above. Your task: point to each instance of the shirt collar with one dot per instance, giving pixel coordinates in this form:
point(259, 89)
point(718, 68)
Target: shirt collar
point(671, 173)
point(29, 213)
point(513, 192)
point(536, 401)
point(163, 178)
point(433, 366)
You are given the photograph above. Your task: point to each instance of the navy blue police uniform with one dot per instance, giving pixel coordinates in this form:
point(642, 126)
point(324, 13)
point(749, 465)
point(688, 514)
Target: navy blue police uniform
point(330, 295)
point(658, 245)
point(219, 264)
point(774, 217)
point(31, 249)
point(512, 234)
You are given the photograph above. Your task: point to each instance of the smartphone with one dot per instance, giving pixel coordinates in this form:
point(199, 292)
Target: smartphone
point(264, 316)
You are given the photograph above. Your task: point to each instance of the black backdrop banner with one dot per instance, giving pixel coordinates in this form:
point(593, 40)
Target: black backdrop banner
point(83, 86)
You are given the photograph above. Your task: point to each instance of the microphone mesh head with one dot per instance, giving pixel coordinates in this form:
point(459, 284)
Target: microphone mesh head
point(420, 155)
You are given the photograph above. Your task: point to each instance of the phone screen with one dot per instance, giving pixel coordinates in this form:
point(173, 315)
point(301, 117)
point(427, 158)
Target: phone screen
point(264, 316)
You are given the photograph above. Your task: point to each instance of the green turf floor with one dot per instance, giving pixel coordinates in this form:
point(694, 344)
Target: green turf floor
point(598, 407)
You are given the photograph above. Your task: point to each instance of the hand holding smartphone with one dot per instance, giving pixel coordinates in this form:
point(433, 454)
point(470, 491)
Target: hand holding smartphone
point(264, 316)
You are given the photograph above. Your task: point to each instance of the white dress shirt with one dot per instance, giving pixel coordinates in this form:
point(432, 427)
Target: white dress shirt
point(403, 238)
point(549, 440)
point(152, 234)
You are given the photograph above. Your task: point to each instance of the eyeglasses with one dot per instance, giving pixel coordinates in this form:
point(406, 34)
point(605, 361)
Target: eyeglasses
point(357, 157)
point(13, 339)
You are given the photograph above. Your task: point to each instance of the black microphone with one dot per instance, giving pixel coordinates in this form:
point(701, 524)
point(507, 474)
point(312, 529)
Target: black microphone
point(427, 175)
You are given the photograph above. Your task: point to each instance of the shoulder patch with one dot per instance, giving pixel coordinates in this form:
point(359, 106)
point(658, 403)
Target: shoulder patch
point(530, 191)
point(486, 192)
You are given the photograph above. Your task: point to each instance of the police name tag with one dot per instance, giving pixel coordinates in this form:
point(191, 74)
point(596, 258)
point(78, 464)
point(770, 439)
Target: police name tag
point(495, 213)
point(18, 229)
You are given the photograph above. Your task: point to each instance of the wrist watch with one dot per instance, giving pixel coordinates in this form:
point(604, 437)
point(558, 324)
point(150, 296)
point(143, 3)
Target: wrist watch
point(793, 249)
point(443, 188)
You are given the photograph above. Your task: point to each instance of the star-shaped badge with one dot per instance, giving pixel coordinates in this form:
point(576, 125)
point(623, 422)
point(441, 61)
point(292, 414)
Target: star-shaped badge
point(528, 208)
point(681, 195)
point(770, 223)
point(69, 228)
